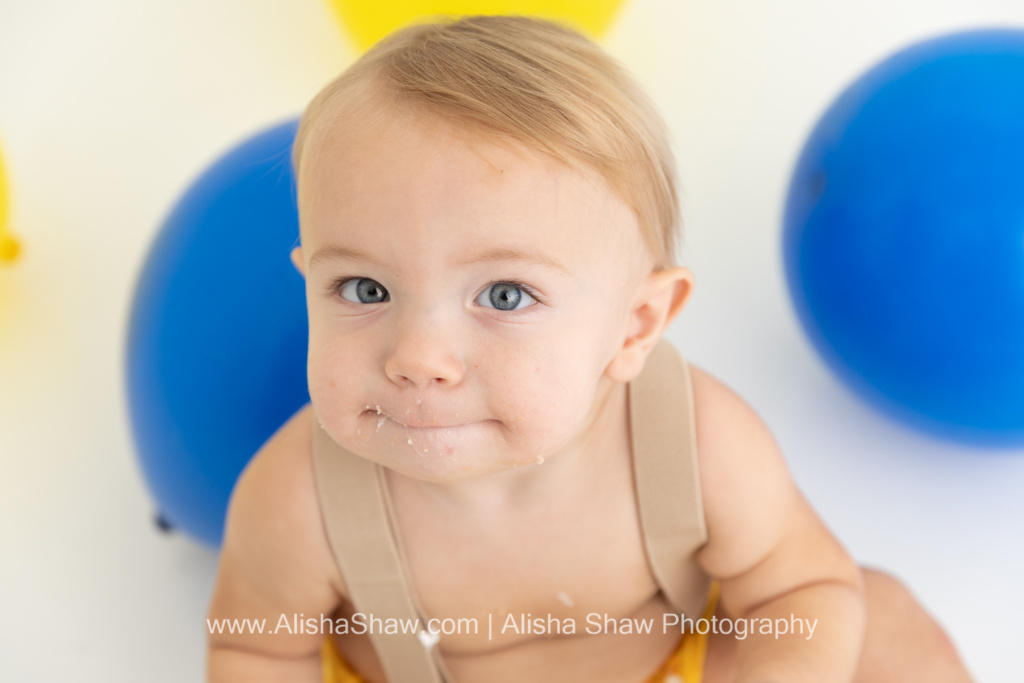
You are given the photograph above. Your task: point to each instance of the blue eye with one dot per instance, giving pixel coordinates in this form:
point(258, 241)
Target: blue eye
point(505, 296)
point(363, 290)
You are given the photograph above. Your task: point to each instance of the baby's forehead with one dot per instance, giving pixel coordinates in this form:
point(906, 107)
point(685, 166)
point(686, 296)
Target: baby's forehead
point(351, 149)
point(381, 183)
point(383, 151)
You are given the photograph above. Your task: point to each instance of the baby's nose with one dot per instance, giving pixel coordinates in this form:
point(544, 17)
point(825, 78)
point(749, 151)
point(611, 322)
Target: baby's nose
point(425, 353)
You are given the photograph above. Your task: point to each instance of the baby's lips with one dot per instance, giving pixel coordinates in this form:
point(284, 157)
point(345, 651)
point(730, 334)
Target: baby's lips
point(418, 417)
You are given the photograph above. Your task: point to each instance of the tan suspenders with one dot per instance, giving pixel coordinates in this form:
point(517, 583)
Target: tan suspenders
point(667, 482)
point(365, 542)
point(357, 515)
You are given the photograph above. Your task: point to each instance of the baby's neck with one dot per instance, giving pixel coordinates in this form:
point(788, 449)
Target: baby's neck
point(589, 457)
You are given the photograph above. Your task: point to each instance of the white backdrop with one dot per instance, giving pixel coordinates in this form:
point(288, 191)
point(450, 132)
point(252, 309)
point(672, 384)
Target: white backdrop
point(109, 109)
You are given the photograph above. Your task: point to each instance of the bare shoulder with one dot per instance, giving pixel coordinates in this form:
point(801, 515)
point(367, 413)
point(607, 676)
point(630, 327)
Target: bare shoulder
point(276, 505)
point(746, 487)
point(276, 558)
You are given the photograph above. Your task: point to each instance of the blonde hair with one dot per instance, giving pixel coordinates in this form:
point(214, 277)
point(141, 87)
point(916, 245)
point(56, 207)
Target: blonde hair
point(533, 81)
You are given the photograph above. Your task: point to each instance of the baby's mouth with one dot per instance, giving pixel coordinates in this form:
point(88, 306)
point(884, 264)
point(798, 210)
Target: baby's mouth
point(430, 437)
point(409, 422)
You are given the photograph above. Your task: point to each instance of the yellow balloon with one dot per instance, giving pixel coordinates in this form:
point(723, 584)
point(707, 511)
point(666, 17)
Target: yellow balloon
point(368, 22)
point(9, 246)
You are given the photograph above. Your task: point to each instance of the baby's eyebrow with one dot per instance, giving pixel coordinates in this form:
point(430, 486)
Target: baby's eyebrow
point(340, 253)
point(337, 252)
point(520, 255)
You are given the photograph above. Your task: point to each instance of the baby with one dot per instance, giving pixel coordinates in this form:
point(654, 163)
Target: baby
point(503, 474)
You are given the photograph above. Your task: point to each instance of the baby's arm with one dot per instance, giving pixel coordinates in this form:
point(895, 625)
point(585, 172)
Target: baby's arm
point(275, 561)
point(773, 556)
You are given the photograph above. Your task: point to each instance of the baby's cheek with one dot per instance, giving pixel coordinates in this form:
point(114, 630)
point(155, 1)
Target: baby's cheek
point(321, 381)
point(330, 387)
point(548, 412)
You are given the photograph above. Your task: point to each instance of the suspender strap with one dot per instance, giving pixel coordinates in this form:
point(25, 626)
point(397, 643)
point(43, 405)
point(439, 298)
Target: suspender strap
point(354, 500)
point(667, 481)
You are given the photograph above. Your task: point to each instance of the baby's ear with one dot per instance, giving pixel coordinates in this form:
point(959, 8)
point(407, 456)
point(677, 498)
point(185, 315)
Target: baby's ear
point(659, 301)
point(297, 261)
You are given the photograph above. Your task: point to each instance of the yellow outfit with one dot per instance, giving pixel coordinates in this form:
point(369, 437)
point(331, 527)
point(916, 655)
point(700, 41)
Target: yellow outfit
point(686, 665)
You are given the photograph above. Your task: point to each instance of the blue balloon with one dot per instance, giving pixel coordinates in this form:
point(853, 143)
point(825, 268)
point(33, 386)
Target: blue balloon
point(904, 236)
point(216, 352)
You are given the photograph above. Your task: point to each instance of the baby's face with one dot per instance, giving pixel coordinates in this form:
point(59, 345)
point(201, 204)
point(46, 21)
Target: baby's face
point(464, 298)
